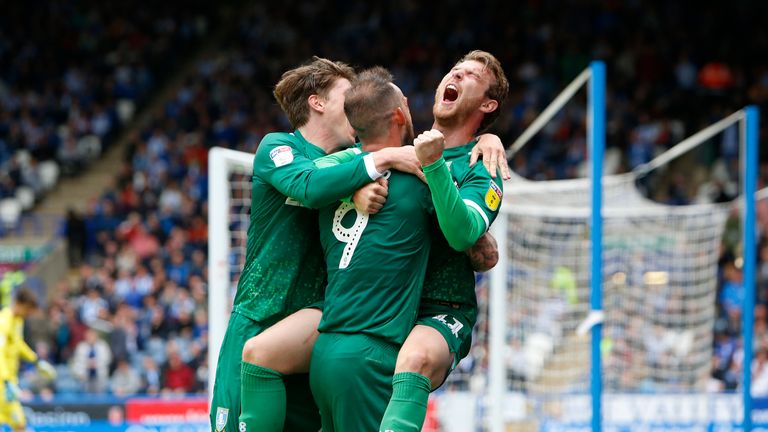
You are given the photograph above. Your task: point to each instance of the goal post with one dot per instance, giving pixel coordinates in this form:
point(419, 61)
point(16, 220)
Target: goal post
point(596, 142)
point(229, 192)
point(749, 165)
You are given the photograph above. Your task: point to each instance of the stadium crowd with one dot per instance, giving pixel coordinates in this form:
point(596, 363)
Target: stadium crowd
point(73, 73)
point(137, 322)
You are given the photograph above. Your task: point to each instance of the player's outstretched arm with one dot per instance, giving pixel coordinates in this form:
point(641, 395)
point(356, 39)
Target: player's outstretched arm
point(278, 163)
point(25, 352)
point(484, 254)
point(372, 197)
point(400, 158)
point(489, 146)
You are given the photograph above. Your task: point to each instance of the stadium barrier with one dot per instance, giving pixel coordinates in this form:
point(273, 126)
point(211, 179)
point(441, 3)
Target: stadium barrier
point(133, 414)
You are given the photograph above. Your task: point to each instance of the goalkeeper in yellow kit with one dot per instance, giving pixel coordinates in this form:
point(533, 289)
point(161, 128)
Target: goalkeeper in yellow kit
point(12, 349)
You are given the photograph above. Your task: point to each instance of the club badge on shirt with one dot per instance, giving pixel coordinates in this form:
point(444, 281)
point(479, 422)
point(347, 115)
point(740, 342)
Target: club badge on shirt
point(493, 196)
point(281, 155)
point(222, 414)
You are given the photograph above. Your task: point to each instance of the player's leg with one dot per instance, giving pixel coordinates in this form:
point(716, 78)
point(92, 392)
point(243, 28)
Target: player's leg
point(225, 404)
point(15, 419)
point(283, 349)
point(351, 379)
point(423, 359)
point(301, 412)
point(441, 337)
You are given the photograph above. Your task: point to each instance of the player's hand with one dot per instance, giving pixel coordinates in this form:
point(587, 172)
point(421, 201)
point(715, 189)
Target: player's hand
point(484, 254)
point(371, 197)
point(489, 146)
point(400, 158)
point(12, 392)
point(46, 370)
point(429, 146)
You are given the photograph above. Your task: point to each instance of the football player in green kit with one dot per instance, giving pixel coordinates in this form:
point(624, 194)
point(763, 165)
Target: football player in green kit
point(466, 200)
point(283, 349)
point(284, 276)
point(376, 265)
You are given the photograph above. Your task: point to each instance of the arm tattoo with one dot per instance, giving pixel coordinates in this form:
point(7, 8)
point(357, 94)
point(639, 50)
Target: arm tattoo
point(484, 254)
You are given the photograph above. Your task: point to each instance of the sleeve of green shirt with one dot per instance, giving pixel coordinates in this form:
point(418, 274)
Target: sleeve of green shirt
point(279, 163)
point(466, 213)
point(337, 158)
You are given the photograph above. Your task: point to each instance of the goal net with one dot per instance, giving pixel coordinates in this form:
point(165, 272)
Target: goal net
point(659, 279)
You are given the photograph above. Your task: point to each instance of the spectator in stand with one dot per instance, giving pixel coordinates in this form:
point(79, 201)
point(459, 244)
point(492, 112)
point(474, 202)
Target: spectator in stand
point(90, 363)
point(178, 377)
point(123, 340)
point(732, 296)
point(125, 381)
point(150, 376)
point(93, 306)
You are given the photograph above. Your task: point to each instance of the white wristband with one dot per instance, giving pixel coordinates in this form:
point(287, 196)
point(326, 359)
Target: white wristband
point(370, 166)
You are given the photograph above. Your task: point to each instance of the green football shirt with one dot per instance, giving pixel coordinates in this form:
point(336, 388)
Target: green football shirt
point(450, 277)
point(376, 263)
point(284, 269)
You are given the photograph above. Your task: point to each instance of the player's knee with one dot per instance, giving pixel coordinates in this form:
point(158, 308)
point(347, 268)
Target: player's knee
point(417, 361)
point(255, 352)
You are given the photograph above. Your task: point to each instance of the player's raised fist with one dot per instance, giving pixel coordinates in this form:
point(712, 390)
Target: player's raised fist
point(429, 146)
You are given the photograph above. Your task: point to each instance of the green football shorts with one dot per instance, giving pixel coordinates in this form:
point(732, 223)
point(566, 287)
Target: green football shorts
point(302, 414)
point(453, 322)
point(351, 378)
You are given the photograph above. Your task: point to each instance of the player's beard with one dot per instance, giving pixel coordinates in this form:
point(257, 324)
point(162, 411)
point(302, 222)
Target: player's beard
point(452, 118)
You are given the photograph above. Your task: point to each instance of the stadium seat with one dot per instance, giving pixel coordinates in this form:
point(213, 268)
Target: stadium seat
point(26, 197)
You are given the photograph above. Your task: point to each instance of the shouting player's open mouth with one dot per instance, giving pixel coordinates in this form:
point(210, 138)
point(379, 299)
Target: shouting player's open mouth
point(451, 93)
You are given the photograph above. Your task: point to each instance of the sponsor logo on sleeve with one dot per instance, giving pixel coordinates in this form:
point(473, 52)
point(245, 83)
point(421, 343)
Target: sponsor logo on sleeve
point(493, 196)
point(281, 155)
point(222, 414)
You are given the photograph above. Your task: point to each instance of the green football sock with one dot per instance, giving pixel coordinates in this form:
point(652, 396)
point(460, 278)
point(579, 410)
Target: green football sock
point(408, 406)
point(262, 399)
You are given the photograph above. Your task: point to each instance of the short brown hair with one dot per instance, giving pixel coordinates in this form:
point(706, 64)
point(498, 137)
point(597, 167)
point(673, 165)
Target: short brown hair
point(25, 296)
point(497, 90)
point(297, 85)
point(370, 101)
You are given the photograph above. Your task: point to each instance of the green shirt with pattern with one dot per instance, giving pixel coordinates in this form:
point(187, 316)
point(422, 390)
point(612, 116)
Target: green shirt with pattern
point(376, 263)
point(284, 269)
point(450, 277)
